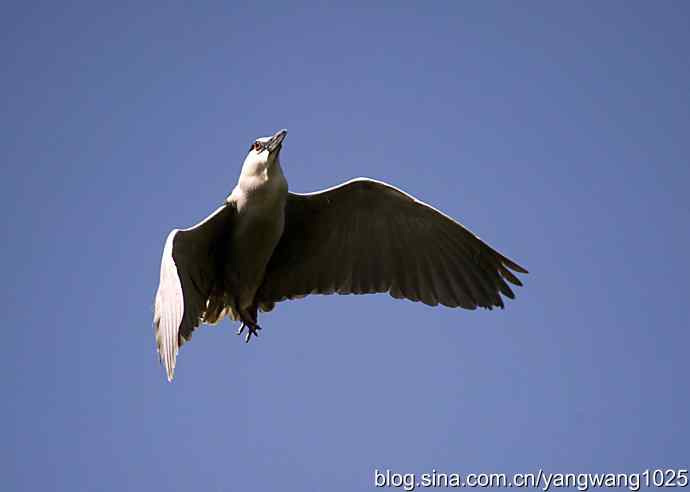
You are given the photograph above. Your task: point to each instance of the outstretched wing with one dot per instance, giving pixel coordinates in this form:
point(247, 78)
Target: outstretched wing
point(366, 236)
point(192, 266)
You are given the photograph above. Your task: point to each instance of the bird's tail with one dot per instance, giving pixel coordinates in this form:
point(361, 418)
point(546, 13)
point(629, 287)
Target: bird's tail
point(218, 307)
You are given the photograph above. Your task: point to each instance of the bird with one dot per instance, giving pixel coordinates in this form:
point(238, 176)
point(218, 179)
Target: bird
point(265, 244)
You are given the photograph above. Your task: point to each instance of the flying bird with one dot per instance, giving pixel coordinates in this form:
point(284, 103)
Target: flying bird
point(265, 244)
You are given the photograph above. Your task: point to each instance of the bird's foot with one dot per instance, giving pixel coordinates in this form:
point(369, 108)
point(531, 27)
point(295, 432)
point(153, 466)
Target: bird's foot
point(252, 329)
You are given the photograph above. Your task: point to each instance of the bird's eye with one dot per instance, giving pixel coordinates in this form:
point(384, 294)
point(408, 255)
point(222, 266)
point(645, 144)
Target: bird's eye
point(258, 146)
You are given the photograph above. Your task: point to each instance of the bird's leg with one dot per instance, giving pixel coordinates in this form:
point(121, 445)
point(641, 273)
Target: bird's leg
point(248, 318)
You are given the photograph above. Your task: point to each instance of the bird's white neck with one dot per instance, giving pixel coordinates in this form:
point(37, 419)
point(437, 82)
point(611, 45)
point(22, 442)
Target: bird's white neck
point(260, 181)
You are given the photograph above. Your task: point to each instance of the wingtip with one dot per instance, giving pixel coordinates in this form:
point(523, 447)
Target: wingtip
point(168, 367)
point(167, 357)
point(517, 267)
point(169, 364)
point(512, 265)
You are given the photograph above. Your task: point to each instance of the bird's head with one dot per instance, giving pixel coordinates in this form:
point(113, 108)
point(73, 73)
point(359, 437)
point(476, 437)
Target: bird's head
point(264, 151)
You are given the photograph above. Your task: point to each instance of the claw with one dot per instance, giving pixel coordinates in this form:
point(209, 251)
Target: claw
point(251, 330)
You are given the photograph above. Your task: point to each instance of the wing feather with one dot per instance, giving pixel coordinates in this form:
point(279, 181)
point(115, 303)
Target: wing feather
point(189, 273)
point(366, 236)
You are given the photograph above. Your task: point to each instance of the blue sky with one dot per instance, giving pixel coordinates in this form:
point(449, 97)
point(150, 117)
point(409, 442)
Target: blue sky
point(557, 132)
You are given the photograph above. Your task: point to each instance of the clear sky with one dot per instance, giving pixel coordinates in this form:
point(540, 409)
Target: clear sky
point(557, 131)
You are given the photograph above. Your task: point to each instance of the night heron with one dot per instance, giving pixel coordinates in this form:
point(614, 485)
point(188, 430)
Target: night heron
point(265, 244)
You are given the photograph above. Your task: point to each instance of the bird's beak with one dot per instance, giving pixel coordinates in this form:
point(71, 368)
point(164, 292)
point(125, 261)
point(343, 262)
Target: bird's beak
point(277, 140)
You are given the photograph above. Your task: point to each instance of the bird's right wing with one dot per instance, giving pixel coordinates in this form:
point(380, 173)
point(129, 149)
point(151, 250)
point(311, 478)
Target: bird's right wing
point(191, 267)
point(365, 236)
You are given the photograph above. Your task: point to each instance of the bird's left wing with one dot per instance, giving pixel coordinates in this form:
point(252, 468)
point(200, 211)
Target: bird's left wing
point(365, 236)
point(192, 266)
